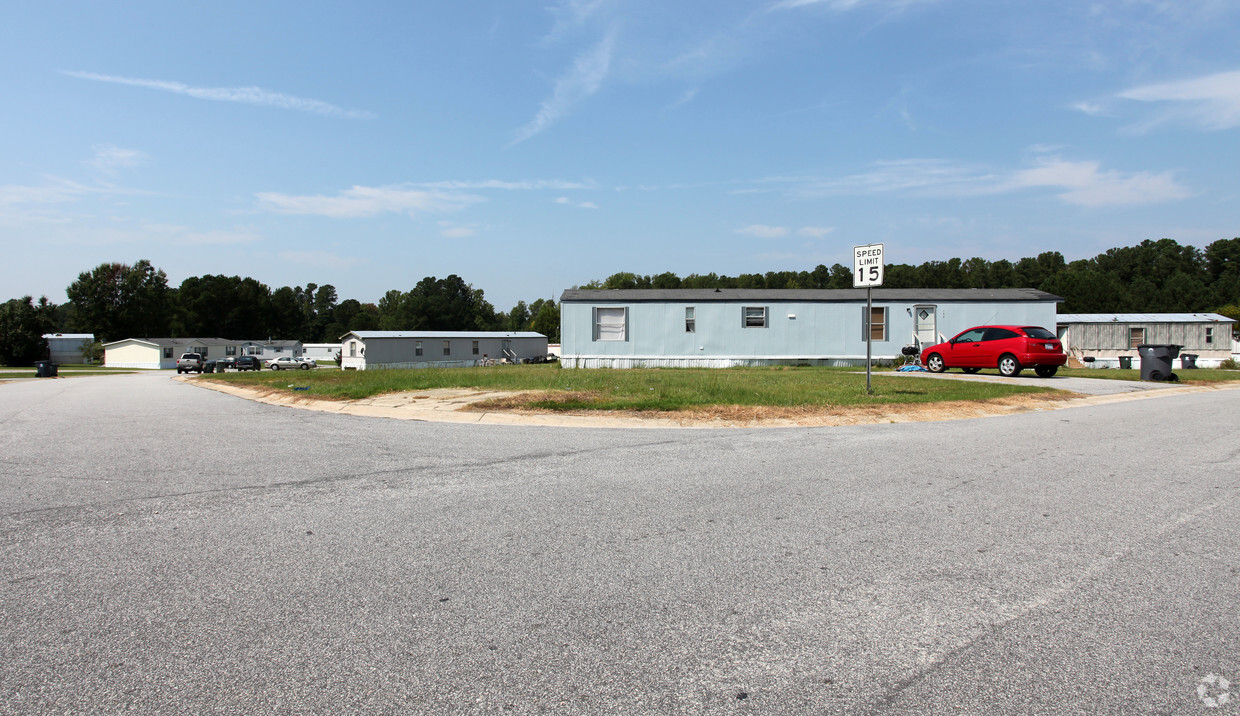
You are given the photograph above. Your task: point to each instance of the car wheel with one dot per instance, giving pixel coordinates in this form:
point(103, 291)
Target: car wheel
point(305, 366)
point(1009, 367)
point(1046, 371)
point(275, 367)
point(970, 371)
point(935, 363)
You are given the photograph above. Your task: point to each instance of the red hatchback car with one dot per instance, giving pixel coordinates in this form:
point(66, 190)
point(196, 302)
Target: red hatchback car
point(1011, 349)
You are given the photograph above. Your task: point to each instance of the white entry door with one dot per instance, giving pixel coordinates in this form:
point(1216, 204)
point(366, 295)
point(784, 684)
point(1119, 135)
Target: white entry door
point(925, 327)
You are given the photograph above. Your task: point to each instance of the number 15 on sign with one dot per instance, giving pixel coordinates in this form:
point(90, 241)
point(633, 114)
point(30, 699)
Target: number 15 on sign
point(867, 266)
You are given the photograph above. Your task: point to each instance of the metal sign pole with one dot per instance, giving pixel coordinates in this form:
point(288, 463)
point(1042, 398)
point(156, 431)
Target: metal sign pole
point(869, 335)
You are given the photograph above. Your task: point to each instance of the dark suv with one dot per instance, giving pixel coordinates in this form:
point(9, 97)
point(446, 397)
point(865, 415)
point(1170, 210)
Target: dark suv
point(249, 363)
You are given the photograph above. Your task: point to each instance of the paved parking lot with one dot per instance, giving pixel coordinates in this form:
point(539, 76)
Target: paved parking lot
point(169, 549)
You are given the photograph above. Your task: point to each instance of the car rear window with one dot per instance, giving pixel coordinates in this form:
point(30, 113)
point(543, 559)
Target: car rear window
point(1037, 332)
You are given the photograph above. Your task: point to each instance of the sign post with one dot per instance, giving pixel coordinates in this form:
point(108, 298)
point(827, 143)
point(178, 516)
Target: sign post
point(868, 273)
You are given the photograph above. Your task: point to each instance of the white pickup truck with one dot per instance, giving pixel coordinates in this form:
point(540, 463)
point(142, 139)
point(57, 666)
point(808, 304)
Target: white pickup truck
point(190, 362)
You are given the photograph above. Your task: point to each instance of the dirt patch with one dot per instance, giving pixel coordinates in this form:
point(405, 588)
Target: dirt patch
point(749, 415)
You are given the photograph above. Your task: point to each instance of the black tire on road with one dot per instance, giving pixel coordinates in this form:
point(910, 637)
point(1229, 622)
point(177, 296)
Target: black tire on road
point(305, 366)
point(1046, 371)
point(275, 367)
point(935, 364)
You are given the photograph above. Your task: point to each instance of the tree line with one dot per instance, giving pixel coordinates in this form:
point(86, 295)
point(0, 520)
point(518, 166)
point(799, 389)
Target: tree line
point(116, 301)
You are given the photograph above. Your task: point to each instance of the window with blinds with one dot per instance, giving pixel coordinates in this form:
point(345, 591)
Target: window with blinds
point(611, 324)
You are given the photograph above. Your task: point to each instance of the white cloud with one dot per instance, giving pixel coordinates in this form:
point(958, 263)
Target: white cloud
point(510, 185)
point(457, 232)
point(844, 5)
point(363, 201)
point(1211, 102)
point(244, 95)
point(1083, 183)
point(1086, 185)
point(580, 205)
point(816, 232)
point(762, 231)
point(109, 158)
point(582, 80)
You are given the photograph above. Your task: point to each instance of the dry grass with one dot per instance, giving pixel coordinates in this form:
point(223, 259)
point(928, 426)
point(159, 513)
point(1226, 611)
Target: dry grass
point(538, 402)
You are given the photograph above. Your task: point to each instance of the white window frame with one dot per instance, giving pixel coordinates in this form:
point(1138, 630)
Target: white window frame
point(417, 348)
point(167, 351)
point(867, 330)
point(1209, 335)
point(748, 321)
point(352, 349)
point(447, 348)
point(475, 347)
point(611, 333)
point(690, 319)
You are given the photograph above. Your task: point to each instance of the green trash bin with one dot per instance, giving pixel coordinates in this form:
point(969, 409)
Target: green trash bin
point(1125, 362)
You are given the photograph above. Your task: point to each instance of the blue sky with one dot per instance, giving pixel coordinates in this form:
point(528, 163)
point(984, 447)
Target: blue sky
point(530, 147)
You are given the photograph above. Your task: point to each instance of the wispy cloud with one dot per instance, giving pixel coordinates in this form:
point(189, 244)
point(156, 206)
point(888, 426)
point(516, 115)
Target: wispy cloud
point(1082, 183)
point(364, 201)
point(1085, 184)
point(110, 159)
point(582, 79)
point(530, 185)
point(579, 204)
point(1211, 102)
point(845, 5)
point(762, 231)
point(243, 95)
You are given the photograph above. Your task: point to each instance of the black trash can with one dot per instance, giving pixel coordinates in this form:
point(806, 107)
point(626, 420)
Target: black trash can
point(44, 369)
point(1188, 360)
point(1125, 362)
point(1156, 361)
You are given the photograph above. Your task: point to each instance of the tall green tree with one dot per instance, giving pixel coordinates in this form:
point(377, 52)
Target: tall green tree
point(22, 326)
point(116, 301)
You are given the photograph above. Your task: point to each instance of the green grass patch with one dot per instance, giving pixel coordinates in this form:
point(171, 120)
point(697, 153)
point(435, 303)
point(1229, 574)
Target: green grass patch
point(640, 389)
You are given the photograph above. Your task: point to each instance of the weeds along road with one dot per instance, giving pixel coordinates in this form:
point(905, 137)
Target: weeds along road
point(170, 549)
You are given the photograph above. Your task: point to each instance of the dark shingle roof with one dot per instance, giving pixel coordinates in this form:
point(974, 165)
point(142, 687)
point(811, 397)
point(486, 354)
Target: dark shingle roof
point(851, 295)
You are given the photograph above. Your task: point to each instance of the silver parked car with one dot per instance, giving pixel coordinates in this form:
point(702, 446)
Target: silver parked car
point(287, 362)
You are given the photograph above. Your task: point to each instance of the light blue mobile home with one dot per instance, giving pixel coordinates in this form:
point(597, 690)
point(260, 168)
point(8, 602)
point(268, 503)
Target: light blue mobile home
point(628, 328)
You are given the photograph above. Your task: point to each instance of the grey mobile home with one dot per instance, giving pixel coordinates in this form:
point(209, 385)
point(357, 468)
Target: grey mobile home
point(1099, 340)
point(735, 327)
point(371, 350)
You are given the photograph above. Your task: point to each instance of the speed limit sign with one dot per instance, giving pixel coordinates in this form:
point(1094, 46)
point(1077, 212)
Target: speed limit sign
point(867, 266)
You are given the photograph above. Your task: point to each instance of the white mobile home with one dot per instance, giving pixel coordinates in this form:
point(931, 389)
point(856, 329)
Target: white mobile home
point(322, 353)
point(371, 350)
point(162, 352)
point(737, 327)
point(267, 350)
point(1099, 340)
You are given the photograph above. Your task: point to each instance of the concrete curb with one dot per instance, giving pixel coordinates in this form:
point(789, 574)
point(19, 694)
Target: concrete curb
point(446, 406)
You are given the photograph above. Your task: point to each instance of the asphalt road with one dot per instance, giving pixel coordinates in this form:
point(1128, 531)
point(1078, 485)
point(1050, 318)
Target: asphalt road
point(170, 549)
